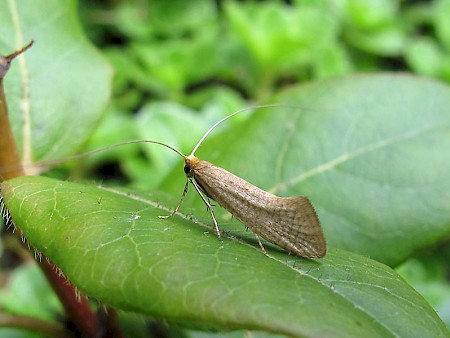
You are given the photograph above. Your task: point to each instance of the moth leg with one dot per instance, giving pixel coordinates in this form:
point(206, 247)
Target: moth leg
point(209, 206)
point(261, 245)
point(179, 204)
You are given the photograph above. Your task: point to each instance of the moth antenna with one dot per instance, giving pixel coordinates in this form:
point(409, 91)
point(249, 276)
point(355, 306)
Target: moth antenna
point(235, 113)
point(160, 143)
point(48, 163)
point(99, 150)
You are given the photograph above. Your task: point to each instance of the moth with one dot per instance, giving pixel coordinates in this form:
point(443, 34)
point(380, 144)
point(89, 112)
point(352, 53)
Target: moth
point(289, 222)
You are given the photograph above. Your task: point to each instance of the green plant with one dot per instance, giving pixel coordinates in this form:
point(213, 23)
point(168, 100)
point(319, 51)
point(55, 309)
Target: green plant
point(370, 151)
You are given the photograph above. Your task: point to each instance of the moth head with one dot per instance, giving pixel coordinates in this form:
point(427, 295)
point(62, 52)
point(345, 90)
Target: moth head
point(189, 164)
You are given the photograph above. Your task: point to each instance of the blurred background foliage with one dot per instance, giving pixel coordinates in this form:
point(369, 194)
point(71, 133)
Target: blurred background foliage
point(197, 61)
point(189, 52)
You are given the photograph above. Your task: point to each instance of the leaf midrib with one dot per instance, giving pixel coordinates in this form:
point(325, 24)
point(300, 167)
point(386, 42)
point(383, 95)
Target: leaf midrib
point(347, 156)
point(25, 85)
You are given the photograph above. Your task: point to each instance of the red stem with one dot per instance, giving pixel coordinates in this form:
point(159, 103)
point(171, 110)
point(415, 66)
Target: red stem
point(77, 308)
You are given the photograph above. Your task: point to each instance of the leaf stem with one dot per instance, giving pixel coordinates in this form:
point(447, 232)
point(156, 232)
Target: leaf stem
point(9, 155)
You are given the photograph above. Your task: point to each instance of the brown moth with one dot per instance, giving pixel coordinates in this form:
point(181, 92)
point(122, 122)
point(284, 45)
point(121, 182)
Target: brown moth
point(289, 222)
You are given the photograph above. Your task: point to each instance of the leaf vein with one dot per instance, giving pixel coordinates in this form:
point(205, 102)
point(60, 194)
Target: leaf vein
point(347, 156)
point(25, 87)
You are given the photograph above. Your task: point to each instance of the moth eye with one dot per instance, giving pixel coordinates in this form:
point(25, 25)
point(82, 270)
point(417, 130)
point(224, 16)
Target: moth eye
point(187, 169)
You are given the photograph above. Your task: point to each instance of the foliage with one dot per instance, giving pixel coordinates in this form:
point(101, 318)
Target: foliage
point(369, 150)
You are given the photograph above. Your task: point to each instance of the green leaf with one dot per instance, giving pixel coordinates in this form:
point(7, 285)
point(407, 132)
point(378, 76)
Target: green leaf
point(370, 151)
point(168, 121)
point(424, 56)
point(62, 83)
point(441, 11)
point(375, 27)
point(276, 41)
point(387, 42)
point(113, 246)
point(17, 333)
point(34, 299)
point(173, 64)
point(428, 275)
point(162, 19)
point(372, 14)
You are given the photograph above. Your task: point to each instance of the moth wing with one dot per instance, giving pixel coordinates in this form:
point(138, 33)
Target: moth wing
point(290, 222)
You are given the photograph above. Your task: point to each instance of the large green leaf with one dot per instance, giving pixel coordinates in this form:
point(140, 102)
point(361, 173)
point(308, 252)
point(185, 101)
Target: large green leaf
point(372, 153)
point(59, 88)
point(113, 246)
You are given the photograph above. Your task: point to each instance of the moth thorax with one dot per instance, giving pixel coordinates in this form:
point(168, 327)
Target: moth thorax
point(189, 163)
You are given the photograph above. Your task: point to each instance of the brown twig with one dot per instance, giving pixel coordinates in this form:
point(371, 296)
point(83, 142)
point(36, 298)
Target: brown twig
point(5, 61)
